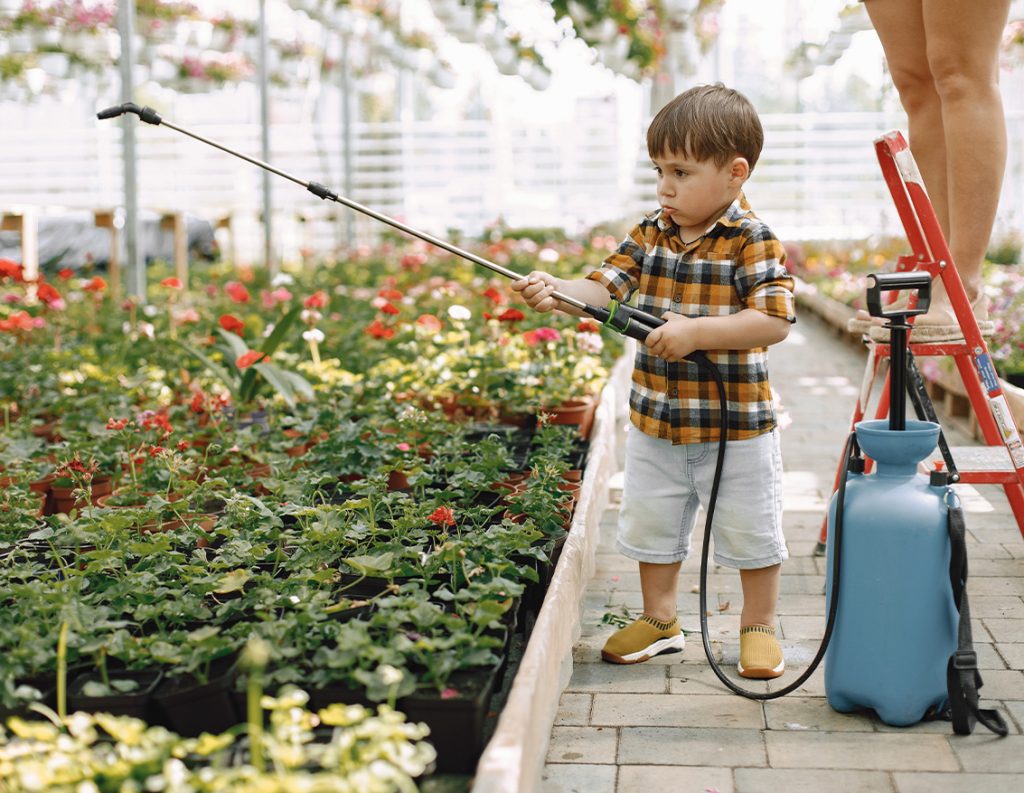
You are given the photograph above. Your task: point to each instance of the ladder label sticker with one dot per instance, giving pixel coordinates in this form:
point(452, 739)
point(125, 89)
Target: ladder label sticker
point(983, 363)
point(1007, 430)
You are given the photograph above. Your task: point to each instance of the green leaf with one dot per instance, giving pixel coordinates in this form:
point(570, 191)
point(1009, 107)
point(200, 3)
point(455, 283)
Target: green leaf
point(232, 582)
point(299, 384)
point(235, 342)
point(227, 378)
point(275, 377)
point(371, 564)
point(273, 341)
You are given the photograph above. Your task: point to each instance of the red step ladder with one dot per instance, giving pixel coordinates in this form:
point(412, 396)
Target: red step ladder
point(1001, 460)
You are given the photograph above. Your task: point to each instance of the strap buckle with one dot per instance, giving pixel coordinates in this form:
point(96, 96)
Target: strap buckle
point(965, 659)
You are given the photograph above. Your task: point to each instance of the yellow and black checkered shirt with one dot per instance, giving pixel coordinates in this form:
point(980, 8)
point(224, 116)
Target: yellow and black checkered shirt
point(737, 264)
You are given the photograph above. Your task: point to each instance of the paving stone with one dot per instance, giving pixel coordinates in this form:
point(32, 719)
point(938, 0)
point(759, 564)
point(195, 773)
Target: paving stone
point(980, 567)
point(1012, 653)
point(573, 709)
point(794, 627)
point(957, 783)
point(582, 744)
point(698, 678)
point(808, 605)
point(796, 714)
point(1005, 607)
point(1004, 630)
point(689, 710)
point(675, 778)
point(799, 780)
point(609, 678)
point(578, 778)
point(691, 746)
point(860, 750)
point(1016, 710)
point(984, 753)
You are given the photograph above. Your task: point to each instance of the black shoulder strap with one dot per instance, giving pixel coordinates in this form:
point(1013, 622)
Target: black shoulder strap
point(962, 677)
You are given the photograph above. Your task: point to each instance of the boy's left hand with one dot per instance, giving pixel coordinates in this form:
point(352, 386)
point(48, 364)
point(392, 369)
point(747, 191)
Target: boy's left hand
point(674, 340)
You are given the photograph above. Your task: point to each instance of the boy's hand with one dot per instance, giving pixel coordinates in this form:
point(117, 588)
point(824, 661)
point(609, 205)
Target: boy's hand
point(674, 340)
point(536, 289)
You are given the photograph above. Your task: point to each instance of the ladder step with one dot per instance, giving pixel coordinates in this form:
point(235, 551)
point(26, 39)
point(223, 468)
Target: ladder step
point(978, 459)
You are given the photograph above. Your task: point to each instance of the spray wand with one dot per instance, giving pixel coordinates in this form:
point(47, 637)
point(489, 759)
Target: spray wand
point(619, 317)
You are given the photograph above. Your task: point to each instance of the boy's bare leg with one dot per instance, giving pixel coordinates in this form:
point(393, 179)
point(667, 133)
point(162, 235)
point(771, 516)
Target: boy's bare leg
point(659, 584)
point(760, 595)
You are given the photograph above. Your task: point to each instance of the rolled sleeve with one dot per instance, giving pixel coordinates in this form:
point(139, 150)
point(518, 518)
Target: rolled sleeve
point(620, 272)
point(761, 278)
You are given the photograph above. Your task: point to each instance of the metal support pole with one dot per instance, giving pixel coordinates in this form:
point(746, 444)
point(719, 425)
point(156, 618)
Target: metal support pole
point(135, 264)
point(346, 131)
point(268, 227)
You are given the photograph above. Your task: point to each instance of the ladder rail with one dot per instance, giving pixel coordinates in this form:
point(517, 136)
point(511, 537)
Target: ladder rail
point(973, 361)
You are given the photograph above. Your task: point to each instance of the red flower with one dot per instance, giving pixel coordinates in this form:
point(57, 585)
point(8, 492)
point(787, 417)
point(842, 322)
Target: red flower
point(379, 330)
point(116, 424)
point(182, 445)
point(316, 300)
point(232, 324)
point(388, 308)
point(12, 270)
point(196, 405)
point(390, 294)
point(237, 292)
point(496, 296)
point(171, 283)
point(429, 321)
point(151, 420)
point(413, 261)
point(442, 516)
point(19, 320)
point(96, 284)
point(511, 315)
point(246, 360)
point(588, 326)
point(47, 293)
point(65, 274)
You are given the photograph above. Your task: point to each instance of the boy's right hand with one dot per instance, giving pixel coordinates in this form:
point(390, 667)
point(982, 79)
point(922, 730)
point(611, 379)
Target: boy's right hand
point(536, 289)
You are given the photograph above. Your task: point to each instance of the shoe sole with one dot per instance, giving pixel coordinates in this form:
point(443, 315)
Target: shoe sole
point(761, 673)
point(673, 644)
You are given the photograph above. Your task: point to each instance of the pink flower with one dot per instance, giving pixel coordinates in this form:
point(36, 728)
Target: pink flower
point(403, 447)
point(449, 693)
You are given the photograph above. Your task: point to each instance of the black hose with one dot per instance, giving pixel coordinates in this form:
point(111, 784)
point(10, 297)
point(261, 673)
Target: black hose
point(850, 452)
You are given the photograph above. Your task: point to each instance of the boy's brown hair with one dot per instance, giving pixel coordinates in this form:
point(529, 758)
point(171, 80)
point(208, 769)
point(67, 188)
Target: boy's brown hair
point(708, 122)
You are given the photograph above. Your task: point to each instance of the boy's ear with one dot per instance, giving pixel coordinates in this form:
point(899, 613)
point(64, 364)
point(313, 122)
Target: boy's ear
point(739, 170)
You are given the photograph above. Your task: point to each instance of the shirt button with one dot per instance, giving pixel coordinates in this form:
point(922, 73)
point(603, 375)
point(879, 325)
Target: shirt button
point(674, 392)
point(678, 298)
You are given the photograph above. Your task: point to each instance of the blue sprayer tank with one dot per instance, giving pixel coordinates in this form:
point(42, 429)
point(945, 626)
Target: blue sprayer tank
point(896, 625)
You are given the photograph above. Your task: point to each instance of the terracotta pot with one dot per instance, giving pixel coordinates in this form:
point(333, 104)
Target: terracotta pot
point(64, 500)
point(574, 411)
point(398, 480)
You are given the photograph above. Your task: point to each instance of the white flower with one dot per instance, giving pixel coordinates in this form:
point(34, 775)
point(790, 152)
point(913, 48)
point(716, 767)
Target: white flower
point(590, 342)
point(459, 313)
point(150, 310)
point(309, 316)
point(282, 279)
point(548, 255)
point(268, 330)
point(389, 675)
point(146, 329)
point(313, 334)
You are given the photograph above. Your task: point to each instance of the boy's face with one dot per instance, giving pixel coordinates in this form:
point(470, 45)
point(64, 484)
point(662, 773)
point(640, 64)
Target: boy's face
point(693, 193)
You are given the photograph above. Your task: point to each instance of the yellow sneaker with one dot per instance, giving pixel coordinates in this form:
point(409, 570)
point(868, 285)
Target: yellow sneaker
point(760, 654)
point(642, 639)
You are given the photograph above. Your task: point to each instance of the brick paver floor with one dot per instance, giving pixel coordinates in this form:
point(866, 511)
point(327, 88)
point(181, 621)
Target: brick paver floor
point(670, 725)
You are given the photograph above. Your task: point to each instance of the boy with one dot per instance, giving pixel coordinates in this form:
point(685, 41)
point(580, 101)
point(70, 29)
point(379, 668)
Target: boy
point(706, 264)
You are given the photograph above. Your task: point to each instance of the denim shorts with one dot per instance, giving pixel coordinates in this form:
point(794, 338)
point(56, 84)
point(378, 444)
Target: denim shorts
point(665, 484)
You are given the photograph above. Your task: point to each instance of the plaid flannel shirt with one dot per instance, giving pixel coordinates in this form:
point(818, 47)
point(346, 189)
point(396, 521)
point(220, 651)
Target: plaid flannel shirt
point(736, 264)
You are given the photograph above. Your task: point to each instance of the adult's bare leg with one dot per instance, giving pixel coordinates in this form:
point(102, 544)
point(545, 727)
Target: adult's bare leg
point(963, 51)
point(900, 28)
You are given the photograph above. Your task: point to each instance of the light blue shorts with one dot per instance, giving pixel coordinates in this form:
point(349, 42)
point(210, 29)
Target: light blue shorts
point(665, 484)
